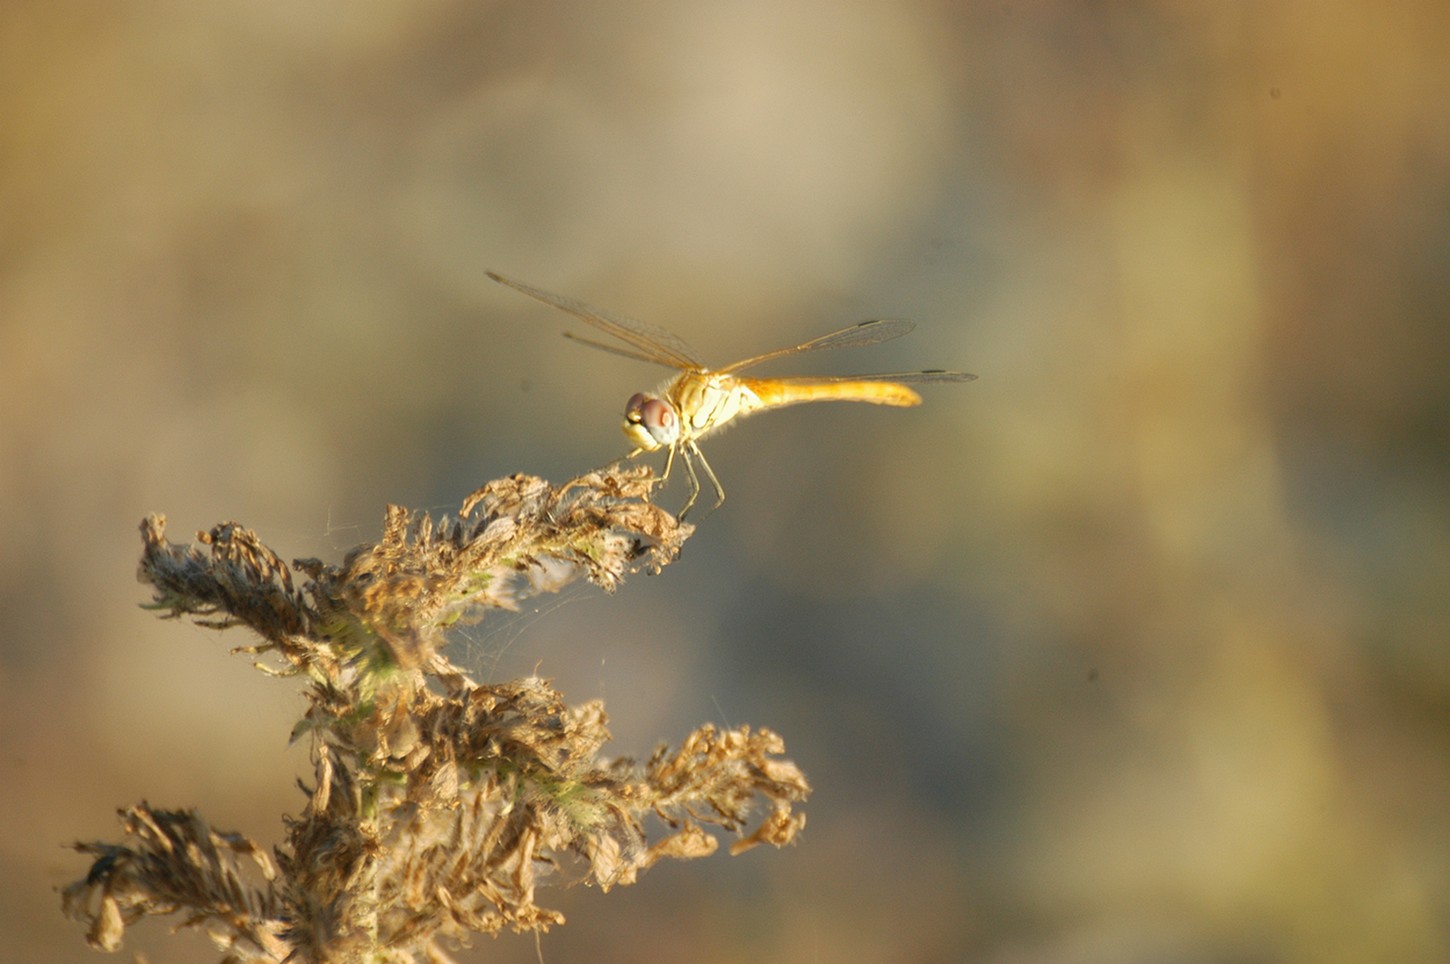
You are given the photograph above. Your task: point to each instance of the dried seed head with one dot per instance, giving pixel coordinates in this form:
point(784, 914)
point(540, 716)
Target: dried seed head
point(438, 804)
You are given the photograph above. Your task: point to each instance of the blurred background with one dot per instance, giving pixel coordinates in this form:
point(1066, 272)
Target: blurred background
point(1132, 650)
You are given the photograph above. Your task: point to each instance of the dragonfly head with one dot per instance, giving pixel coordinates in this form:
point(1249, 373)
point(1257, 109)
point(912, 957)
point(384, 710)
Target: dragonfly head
point(650, 422)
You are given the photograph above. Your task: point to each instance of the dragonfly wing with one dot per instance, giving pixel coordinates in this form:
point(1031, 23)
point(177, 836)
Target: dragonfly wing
point(612, 349)
point(928, 376)
point(914, 378)
point(652, 342)
point(866, 333)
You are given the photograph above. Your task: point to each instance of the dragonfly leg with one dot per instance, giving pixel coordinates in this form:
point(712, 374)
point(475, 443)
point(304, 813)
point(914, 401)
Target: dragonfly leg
point(709, 474)
point(690, 475)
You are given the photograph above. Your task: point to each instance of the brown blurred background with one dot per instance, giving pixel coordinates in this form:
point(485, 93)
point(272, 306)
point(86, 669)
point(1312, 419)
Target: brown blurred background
point(1133, 650)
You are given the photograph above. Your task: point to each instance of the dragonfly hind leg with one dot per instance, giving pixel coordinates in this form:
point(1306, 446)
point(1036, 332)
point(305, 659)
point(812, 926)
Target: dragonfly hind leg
point(693, 480)
point(688, 457)
point(693, 455)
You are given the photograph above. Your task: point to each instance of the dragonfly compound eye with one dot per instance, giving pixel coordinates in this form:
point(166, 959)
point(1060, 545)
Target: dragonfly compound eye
point(659, 419)
point(655, 418)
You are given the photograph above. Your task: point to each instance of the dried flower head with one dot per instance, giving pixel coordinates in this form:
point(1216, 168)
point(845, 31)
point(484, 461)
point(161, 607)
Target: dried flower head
point(438, 803)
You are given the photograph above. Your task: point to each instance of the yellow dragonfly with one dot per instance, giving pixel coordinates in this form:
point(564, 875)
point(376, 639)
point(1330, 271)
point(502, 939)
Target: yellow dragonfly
point(700, 400)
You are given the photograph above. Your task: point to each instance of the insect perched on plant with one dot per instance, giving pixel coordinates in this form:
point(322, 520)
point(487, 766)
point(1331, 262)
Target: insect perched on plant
point(700, 400)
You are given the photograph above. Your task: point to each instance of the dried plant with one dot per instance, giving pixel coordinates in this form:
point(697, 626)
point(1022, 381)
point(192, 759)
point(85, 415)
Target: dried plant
point(437, 803)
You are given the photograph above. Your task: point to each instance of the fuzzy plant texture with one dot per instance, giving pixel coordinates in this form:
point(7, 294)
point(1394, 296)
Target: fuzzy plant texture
point(437, 803)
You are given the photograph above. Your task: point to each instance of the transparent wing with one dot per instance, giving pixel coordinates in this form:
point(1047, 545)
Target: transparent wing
point(651, 343)
point(619, 350)
point(866, 333)
point(909, 378)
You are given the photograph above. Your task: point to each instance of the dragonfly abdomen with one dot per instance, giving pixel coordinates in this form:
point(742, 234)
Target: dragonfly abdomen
point(777, 392)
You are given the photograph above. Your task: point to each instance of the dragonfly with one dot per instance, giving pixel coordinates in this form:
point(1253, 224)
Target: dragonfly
point(699, 401)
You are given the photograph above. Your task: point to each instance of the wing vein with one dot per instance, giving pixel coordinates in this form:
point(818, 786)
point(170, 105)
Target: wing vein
point(653, 343)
